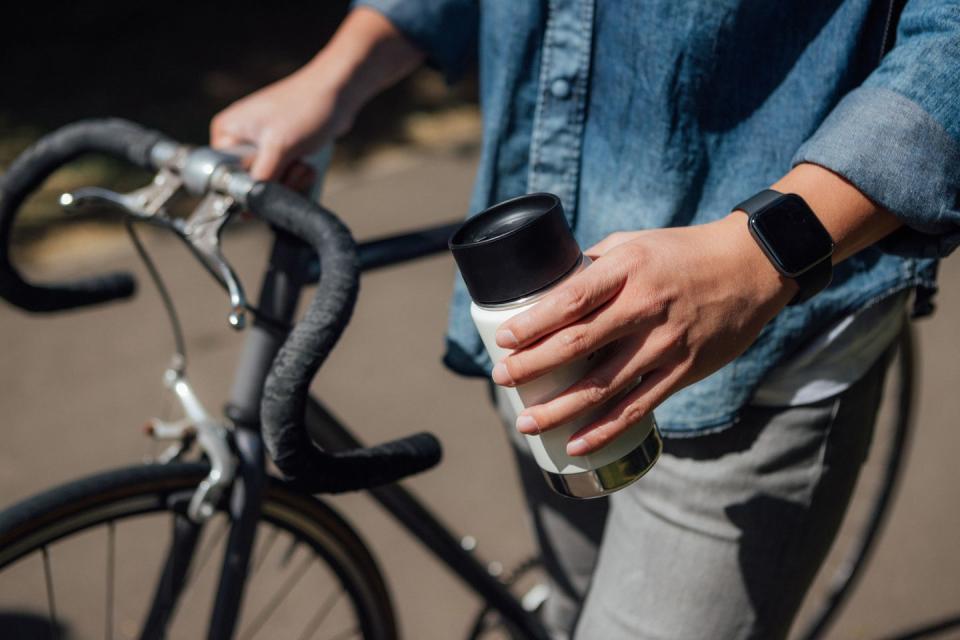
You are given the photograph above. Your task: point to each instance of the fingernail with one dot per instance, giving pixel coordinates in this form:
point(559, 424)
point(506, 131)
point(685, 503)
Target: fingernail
point(506, 339)
point(577, 447)
point(528, 425)
point(501, 376)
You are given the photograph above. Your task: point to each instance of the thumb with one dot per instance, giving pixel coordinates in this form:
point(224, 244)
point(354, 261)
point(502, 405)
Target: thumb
point(220, 140)
point(269, 163)
point(223, 131)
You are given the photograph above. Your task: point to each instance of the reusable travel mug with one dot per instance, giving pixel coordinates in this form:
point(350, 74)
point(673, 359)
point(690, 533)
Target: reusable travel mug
point(510, 256)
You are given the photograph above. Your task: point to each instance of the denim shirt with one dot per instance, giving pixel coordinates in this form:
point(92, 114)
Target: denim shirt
point(656, 113)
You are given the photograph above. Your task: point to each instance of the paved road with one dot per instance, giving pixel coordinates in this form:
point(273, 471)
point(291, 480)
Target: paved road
point(74, 390)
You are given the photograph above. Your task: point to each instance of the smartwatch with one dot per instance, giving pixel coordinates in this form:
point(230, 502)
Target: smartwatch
point(793, 239)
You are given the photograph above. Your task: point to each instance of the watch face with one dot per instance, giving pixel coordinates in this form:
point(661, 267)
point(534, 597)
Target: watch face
point(792, 235)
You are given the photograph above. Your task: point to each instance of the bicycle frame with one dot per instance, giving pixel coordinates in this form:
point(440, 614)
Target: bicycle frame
point(292, 266)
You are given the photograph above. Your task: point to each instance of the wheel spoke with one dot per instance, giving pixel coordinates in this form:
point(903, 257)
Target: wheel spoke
point(111, 555)
point(210, 545)
point(265, 547)
point(321, 615)
point(51, 602)
point(287, 555)
point(261, 618)
point(290, 548)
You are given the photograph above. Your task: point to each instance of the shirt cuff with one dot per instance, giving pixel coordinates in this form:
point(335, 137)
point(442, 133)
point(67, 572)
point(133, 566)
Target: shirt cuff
point(901, 158)
point(445, 30)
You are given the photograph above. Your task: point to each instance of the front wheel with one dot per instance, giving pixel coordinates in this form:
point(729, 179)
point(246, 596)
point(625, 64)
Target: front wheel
point(91, 558)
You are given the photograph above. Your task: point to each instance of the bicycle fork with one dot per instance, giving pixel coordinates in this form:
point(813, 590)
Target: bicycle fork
point(243, 512)
point(237, 462)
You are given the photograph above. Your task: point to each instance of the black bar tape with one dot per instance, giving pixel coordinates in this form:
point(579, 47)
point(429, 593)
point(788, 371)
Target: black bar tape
point(307, 346)
point(114, 137)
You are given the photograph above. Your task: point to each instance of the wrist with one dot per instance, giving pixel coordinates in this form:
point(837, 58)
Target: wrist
point(771, 288)
point(366, 55)
point(853, 221)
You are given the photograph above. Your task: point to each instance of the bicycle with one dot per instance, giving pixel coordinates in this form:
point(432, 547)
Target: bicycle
point(214, 469)
point(217, 465)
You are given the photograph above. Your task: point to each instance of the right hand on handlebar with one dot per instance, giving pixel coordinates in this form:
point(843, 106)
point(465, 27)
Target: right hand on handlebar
point(313, 106)
point(285, 121)
point(224, 186)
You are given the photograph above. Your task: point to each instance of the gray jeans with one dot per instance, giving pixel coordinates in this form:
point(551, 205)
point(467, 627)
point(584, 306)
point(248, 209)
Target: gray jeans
point(721, 539)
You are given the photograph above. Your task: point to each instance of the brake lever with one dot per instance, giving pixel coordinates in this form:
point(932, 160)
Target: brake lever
point(199, 171)
point(145, 203)
point(193, 170)
point(202, 232)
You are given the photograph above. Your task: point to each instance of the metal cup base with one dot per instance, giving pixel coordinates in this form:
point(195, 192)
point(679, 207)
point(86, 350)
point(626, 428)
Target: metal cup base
point(610, 477)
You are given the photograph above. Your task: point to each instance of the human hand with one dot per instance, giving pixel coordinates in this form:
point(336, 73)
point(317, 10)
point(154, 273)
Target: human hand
point(284, 121)
point(318, 103)
point(678, 303)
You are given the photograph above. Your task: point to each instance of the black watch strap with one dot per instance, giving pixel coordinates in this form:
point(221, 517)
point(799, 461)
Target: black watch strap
point(754, 203)
point(812, 281)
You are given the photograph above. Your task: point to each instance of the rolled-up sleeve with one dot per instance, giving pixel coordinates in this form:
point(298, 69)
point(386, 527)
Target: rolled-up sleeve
point(897, 136)
point(446, 30)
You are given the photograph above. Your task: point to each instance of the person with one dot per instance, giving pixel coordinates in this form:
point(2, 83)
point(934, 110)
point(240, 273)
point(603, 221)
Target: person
point(651, 120)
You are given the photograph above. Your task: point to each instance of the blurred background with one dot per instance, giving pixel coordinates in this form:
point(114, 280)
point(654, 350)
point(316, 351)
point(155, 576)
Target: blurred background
point(173, 71)
point(76, 388)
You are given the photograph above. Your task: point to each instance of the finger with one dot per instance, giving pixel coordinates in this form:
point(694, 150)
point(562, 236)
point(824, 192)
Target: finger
point(576, 340)
point(222, 134)
point(655, 387)
point(607, 244)
point(627, 360)
point(224, 140)
point(269, 163)
point(572, 300)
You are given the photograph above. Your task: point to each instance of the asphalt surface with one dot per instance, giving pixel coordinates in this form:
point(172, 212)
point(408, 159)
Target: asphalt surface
point(76, 388)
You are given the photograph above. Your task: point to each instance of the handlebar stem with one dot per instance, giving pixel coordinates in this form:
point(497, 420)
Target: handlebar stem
point(204, 169)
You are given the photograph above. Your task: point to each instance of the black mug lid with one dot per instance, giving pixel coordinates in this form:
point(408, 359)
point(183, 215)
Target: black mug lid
point(515, 248)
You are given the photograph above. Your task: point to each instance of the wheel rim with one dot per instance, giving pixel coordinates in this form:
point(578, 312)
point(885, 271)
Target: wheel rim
point(298, 547)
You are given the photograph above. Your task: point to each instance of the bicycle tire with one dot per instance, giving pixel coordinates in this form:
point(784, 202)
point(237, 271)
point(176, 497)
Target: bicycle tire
point(122, 495)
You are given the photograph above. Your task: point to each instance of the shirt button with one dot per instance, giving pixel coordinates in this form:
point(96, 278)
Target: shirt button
point(560, 88)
